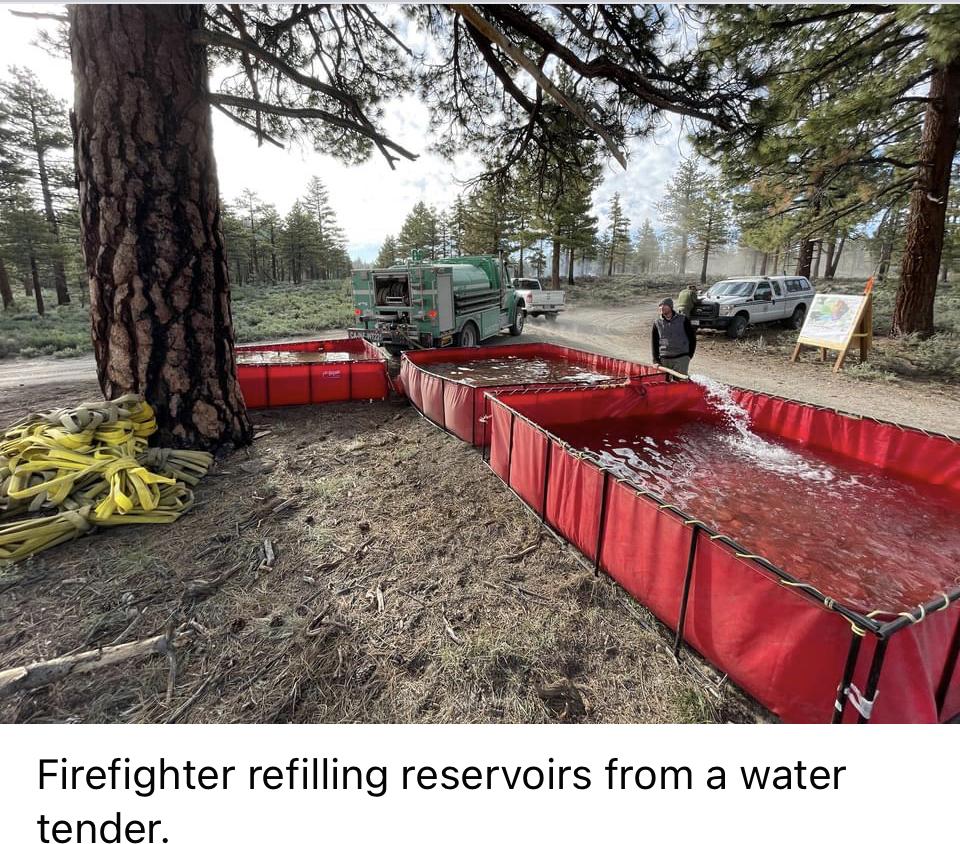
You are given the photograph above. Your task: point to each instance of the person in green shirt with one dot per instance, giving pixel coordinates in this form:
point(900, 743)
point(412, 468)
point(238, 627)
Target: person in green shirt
point(687, 300)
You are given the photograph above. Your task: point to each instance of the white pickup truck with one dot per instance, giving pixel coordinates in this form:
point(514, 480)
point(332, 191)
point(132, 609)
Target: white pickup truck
point(536, 301)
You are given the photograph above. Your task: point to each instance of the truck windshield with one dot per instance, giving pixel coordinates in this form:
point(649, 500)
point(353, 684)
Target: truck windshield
point(526, 284)
point(731, 288)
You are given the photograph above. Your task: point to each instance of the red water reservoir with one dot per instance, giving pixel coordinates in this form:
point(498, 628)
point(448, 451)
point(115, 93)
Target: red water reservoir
point(311, 372)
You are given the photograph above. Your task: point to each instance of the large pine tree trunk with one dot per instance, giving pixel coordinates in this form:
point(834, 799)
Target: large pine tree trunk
point(913, 311)
point(5, 292)
point(570, 266)
point(815, 272)
point(150, 220)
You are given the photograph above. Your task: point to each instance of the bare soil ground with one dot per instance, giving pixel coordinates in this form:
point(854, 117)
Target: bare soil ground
point(408, 584)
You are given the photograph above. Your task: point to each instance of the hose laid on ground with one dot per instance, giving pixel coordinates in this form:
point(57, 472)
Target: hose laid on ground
point(70, 471)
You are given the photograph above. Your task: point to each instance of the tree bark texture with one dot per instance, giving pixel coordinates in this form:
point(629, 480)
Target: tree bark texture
point(151, 220)
point(570, 266)
point(913, 310)
point(5, 292)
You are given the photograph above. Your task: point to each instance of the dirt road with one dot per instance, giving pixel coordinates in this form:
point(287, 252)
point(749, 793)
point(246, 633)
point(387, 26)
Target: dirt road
point(622, 332)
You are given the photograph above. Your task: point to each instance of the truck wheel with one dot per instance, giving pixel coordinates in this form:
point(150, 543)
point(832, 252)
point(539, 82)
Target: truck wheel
point(796, 321)
point(519, 318)
point(551, 317)
point(468, 335)
point(737, 328)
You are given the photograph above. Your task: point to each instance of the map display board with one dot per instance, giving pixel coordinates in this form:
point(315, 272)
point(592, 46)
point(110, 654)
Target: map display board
point(832, 320)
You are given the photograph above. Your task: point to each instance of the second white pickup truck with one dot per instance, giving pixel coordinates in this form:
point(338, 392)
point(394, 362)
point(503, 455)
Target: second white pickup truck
point(536, 301)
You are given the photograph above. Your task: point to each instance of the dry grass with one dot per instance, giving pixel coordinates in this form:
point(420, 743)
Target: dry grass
point(409, 586)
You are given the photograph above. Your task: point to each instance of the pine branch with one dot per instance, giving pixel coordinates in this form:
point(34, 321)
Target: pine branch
point(472, 16)
point(49, 16)
point(260, 133)
point(312, 114)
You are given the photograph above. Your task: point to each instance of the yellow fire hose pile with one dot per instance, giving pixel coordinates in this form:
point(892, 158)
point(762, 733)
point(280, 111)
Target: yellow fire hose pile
point(66, 472)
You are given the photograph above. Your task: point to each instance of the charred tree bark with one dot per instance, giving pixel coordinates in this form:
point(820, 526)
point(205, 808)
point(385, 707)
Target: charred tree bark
point(5, 292)
point(913, 310)
point(570, 266)
point(151, 220)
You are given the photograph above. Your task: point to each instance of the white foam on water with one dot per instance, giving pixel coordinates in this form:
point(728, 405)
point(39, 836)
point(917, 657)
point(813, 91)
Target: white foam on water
point(745, 442)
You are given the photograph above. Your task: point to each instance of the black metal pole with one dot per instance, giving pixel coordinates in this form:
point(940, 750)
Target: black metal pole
point(685, 595)
point(603, 520)
point(443, 404)
point(513, 417)
point(948, 670)
point(873, 680)
point(840, 704)
point(546, 478)
point(473, 421)
point(487, 445)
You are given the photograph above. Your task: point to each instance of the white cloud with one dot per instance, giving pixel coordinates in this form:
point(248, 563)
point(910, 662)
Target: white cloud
point(371, 200)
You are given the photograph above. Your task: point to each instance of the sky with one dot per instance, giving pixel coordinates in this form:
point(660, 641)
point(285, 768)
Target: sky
point(370, 199)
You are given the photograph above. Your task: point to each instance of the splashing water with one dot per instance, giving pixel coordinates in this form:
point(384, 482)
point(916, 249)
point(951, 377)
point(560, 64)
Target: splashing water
point(748, 444)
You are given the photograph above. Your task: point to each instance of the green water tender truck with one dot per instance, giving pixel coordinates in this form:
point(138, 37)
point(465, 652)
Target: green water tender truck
point(423, 304)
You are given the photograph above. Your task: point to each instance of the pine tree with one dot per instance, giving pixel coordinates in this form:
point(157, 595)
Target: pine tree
point(236, 236)
point(711, 227)
point(388, 254)
point(681, 207)
point(618, 236)
point(647, 248)
point(39, 132)
point(271, 225)
point(420, 232)
point(297, 241)
point(328, 247)
point(458, 224)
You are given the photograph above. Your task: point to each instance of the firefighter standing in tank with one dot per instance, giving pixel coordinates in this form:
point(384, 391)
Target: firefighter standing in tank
point(674, 340)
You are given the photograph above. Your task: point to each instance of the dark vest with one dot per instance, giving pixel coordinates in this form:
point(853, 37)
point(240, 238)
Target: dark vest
point(673, 338)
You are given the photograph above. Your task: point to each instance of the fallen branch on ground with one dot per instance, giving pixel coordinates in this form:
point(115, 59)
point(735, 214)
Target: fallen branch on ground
point(39, 674)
